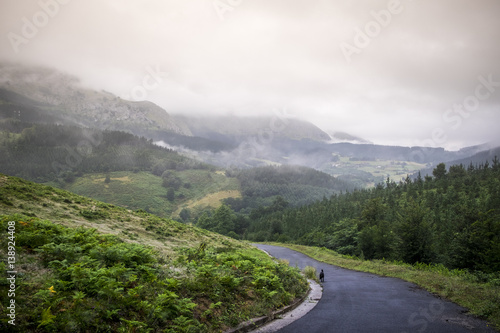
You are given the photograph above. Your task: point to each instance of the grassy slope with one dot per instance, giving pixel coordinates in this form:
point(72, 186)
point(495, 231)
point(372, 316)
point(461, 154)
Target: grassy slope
point(143, 190)
point(482, 299)
point(213, 282)
point(23, 197)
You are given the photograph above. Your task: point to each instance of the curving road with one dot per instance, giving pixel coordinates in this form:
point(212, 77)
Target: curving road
point(361, 302)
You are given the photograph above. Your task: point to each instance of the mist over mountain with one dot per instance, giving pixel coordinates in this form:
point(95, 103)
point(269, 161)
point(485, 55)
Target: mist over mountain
point(338, 136)
point(60, 95)
point(236, 128)
point(36, 94)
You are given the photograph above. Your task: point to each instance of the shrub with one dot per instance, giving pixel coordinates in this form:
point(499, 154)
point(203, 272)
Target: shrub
point(310, 273)
point(90, 214)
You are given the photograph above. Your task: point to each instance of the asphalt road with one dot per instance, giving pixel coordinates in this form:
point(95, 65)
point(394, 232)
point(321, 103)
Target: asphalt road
point(362, 302)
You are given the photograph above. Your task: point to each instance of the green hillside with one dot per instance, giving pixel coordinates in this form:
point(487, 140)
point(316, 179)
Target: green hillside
point(86, 266)
point(143, 190)
point(297, 185)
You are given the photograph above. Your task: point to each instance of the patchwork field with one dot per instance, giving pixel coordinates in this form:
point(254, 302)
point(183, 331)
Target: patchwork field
point(368, 173)
point(142, 190)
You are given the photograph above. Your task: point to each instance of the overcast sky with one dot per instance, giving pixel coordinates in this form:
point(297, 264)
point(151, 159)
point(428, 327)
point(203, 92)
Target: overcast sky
point(421, 72)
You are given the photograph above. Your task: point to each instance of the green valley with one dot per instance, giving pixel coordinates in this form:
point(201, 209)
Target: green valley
point(368, 173)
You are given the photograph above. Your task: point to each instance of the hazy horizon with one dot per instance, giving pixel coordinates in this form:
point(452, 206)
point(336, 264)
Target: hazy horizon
point(408, 73)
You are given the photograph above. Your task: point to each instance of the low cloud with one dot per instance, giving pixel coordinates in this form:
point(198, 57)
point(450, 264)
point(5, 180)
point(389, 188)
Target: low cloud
point(256, 56)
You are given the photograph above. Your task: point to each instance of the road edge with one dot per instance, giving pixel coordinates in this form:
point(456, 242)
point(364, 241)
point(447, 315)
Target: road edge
point(294, 311)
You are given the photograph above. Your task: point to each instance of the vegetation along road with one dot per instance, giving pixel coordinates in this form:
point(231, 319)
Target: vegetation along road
point(361, 302)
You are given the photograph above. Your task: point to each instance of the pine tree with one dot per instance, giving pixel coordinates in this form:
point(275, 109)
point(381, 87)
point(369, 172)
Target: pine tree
point(440, 171)
point(416, 234)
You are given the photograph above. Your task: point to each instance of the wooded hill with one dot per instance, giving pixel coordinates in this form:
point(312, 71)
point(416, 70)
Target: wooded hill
point(49, 152)
point(450, 218)
point(297, 185)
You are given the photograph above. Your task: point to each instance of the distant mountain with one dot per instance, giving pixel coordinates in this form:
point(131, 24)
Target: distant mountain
point(260, 128)
point(51, 94)
point(41, 95)
point(486, 155)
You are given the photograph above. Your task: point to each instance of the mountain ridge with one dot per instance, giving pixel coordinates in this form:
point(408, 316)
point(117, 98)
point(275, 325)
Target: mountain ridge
point(239, 128)
point(57, 93)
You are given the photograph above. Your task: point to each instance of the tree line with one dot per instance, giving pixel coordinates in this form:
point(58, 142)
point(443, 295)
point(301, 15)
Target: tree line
point(50, 152)
point(450, 218)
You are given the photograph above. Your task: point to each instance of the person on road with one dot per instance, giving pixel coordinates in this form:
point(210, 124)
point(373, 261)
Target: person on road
point(322, 276)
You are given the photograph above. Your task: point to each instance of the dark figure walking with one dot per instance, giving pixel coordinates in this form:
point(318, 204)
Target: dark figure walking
point(322, 276)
